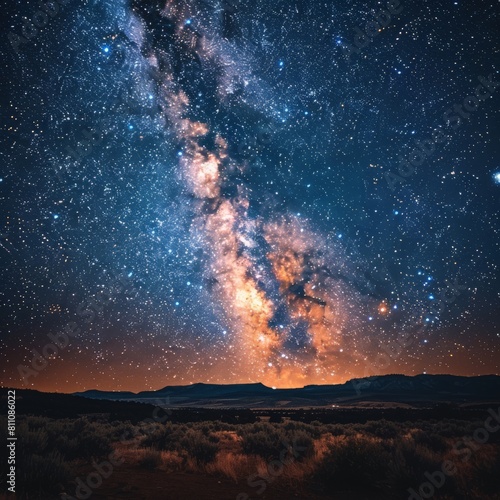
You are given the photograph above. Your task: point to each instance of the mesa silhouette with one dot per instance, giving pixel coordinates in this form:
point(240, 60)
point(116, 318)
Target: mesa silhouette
point(387, 390)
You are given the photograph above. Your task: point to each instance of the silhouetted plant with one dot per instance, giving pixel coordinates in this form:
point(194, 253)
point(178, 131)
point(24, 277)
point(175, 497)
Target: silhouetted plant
point(199, 446)
point(383, 429)
point(262, 439)
point(433, 441)
point(42, 474)
point(353, 464)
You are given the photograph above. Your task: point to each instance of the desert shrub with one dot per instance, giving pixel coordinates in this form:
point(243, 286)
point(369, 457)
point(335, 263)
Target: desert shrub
point(141, 430)
point(383, 429)
point(213, 439)
point(353, 464)
point(72, 439)
point(68, 447)
point(34, 422)
point(262, 439)
point(268, 440)
point(485, 471)
point(205, 428)
point(42, 474)
point(223, 426)
point(167, 437)
point(150, 459)
point(258, 426)
point(312, 430)
point(34, 441)
point(93, 443)
point(337, 429)
point(183, 438)
point(198, 446)
point(433, 441)
point(303, 445)
point(122, 431)
point(452, 428)
point(80, 425)
point(357, 428)
point(409, 463)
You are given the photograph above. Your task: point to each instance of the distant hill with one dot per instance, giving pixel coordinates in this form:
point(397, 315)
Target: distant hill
point(419, 390)
point(55, 405)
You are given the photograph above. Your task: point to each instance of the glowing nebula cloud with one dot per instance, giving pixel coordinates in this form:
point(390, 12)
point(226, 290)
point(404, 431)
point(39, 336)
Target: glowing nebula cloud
point(286, 313)
point(245, 306)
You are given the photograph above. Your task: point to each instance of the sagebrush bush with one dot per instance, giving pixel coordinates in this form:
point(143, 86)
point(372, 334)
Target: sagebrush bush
point(353, 464)
point(121, 431)
point(433, 441)
point(263, 440)
point(408, 464)
point(166, 437)
point(312, 430)
point(34, 440)
point(42, 474)
point(35, 422)
point(94, 444)
point(187, 439)
point(382, 429)
point(303, 445)
point(198, 446)
point(46, 459)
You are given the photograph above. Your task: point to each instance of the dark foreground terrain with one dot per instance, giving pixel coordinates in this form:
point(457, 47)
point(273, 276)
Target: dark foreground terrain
point(73, 447)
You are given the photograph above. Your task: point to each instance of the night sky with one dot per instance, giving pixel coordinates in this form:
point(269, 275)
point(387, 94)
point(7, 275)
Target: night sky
point(241, 191)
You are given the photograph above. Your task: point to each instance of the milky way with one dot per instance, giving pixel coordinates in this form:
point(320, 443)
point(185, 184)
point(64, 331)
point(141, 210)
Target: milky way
point(254, 175)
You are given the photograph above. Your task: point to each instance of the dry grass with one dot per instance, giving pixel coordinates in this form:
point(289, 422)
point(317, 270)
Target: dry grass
point(235, 466)
point(342, 458)
point(353, 458)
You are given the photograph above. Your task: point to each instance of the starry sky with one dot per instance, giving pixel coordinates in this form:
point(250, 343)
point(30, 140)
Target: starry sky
point(230, 191)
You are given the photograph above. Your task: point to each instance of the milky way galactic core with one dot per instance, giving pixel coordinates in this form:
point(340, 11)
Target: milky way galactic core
point(229, 191)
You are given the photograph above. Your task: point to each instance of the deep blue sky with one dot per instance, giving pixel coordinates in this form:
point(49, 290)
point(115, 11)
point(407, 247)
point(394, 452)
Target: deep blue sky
point(328, 256)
